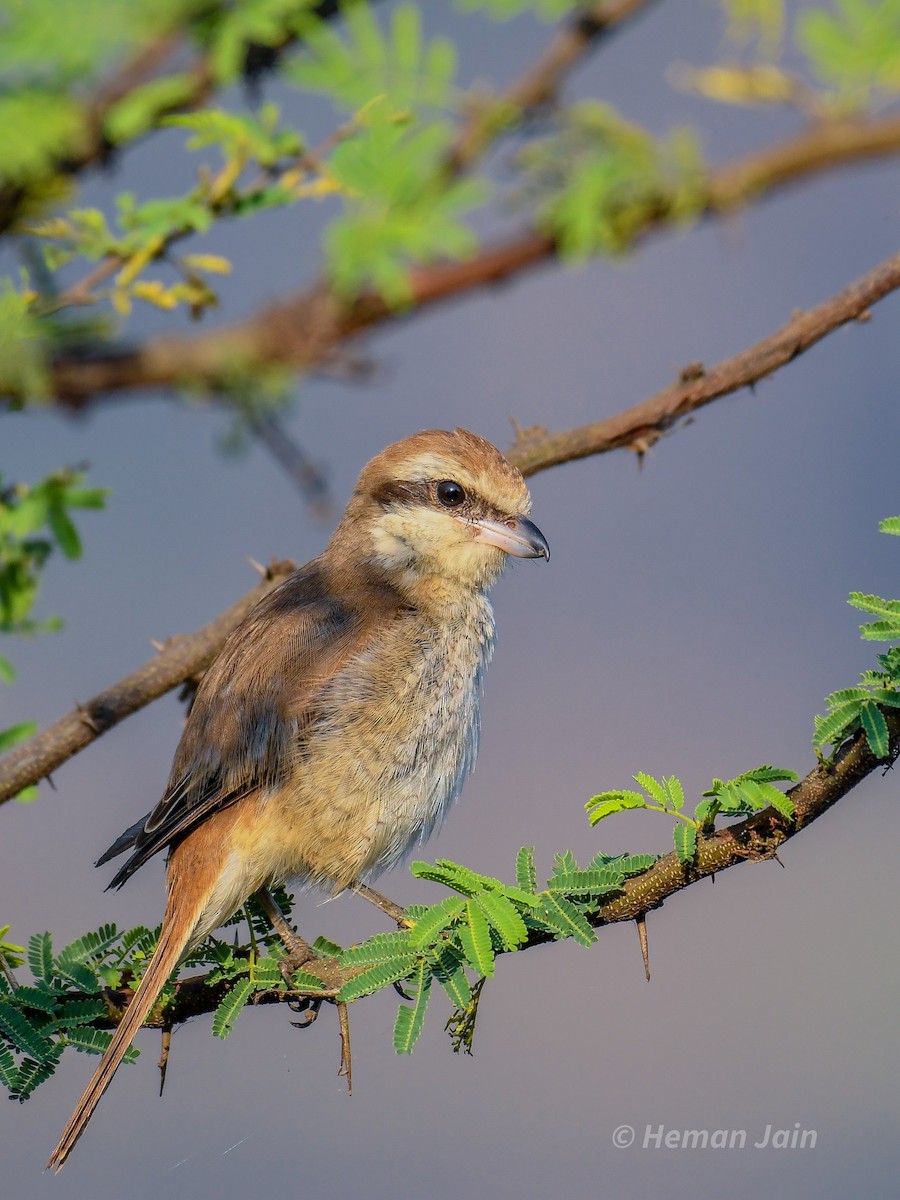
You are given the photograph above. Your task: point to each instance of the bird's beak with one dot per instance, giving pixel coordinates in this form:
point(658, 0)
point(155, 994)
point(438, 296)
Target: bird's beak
point(520, 537)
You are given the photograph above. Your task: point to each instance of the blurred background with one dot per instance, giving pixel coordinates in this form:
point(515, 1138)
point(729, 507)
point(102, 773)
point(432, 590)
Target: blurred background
point(690, 622)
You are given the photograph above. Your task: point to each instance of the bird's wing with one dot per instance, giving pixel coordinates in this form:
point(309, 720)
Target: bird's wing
point(252, 708)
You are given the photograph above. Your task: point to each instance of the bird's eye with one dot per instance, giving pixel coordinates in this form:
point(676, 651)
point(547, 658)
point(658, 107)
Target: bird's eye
point(450, 494)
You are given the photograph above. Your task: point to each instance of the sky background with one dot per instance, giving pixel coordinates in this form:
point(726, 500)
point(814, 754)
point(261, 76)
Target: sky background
point(691, 621)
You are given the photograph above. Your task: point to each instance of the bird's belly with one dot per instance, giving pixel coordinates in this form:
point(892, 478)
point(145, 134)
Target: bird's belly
point(384, 763)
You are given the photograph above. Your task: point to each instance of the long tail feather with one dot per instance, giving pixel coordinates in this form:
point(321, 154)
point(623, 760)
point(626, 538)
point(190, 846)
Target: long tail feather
point(176, 933)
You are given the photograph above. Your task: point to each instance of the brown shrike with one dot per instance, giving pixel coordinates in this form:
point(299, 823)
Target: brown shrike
point(341, 717)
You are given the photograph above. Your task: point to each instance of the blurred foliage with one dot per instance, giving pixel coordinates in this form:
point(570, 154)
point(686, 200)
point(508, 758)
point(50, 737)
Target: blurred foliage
point(79, 83)
point(598, 180)
point(35, 521)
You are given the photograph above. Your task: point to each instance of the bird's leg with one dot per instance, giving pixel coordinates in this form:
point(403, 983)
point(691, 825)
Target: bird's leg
point(394, 911)
point(299, 951)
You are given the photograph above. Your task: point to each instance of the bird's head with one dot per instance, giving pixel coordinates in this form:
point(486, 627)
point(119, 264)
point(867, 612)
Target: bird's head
point(440, 508)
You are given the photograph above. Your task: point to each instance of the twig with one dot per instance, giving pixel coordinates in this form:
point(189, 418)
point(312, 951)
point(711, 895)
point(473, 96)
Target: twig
point(639, 427)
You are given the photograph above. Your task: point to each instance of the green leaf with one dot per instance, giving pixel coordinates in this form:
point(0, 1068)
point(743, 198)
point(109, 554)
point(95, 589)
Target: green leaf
point(9, 1072)
point(141, 107)
point(594, 881)
point(505, 918)
point(881, 631)
point(652, 787)
point(685, 838)
point(305, 981)
point(633, 864)
point(78, 1012)
point(410, 1020)
point(39, 128)
point(378, 977)
point(36, 998)
point(327, 949)
point(64, 531)
point(22, 1033)
point(32, 1074)
point(454, 875)
point(706, 811)
point(876, 605)
point(608, 803)
point(674, 792)
point(565, 919)
point(90, 1041)
point(890, 525)
point(435, 920)
point(230, 1007)
point(7, 671)
point(40, 957)
point(16, 734)
point(475, 939)
point(876, 730)
point(856, 47)
point(450, 974)
point(380, 948)
point(526, 873)
point(365, 62)
point(266, 973)
point(833, 728)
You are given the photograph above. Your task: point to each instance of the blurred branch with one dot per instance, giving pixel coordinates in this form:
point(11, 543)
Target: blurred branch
point(304, 331)
point(534, 450)
point(539, 82)
point(755, 839)
point(178, 660)
point(307, 476)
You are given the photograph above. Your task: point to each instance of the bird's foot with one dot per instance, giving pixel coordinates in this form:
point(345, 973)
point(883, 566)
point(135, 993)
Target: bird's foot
point(299, 951)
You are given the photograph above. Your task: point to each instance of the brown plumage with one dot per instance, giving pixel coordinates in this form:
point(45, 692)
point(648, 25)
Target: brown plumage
point(341, 717)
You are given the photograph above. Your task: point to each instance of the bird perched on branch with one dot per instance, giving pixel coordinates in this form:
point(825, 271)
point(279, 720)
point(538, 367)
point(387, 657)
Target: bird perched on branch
point(341, 717)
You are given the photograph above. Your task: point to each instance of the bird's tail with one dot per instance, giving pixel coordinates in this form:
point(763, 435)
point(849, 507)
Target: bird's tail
point(177, 931)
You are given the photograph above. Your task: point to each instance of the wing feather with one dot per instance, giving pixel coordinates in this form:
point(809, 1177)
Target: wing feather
point(253, 707)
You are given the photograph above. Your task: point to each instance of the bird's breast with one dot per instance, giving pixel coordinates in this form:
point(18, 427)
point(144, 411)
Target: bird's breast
point(394, 737)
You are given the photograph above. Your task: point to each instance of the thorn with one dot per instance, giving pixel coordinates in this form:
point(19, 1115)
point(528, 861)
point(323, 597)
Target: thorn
point(258, 567)
point(160, 646)
point(864, 316)
point(777, 859)
point(398, 988)
point(85, 715)
point(641, 923)
point(691, 372)
point(51, 781)
point(163, 1063)
point(346, 1067)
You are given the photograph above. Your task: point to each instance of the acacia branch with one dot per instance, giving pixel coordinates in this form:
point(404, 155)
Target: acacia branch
point(306, 331)
point(755, 839)
point(534, 450)
point(639, 427)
